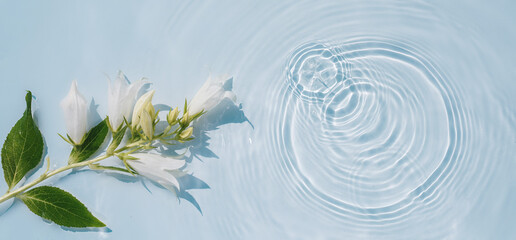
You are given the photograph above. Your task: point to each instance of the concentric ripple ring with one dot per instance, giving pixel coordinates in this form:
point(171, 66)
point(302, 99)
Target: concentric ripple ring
point(388, 123)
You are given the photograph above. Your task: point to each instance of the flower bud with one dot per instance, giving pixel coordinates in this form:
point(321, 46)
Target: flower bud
point(141, 106)
point(172, 116)
point(185, 120)
point(150, 109)
point(147, 125)
point(186, 133)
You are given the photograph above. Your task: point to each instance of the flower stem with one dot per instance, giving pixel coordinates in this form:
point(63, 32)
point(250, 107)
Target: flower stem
point(47, 174)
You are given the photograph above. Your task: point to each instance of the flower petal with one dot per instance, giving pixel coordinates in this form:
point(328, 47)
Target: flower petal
point(155, 167)
point(116, 91)
point(75, 109)
point(121, 99)
point(159, 161)
point(212, 92)
point(146, 124)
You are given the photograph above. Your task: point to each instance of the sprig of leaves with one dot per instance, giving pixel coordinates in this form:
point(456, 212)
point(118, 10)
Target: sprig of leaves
point(23, 150)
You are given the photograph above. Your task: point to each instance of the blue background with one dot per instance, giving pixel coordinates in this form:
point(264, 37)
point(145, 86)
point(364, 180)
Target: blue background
point(253, 193)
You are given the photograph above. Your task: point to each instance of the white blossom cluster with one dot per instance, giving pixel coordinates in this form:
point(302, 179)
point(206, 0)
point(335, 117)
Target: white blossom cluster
point(135, 118)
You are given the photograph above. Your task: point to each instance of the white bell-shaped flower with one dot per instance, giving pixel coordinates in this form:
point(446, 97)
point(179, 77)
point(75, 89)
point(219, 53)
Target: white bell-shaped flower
point(212, 92)
point(75, 110)
point(157, 168)
point(121, 99)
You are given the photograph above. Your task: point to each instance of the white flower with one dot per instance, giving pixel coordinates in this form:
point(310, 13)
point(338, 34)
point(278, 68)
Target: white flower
point(211, 94)
point(121, 99)
point(144, 103)
point(157, 168)
point(75, 109)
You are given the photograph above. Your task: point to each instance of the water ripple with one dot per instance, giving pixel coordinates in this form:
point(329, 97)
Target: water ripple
point(370, 130)
point(315, 70)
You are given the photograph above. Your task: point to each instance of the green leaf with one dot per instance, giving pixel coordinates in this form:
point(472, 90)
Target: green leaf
point(92, 142)
point(185, 108)
point(117, 139)
point(23, 147)
point(60, 207)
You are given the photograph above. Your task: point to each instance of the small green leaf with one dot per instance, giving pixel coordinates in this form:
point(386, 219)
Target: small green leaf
point(185, 108)
point(23, 147)
point(60, 207)
point(117, 139)
point(92, 142)
point(197, 115)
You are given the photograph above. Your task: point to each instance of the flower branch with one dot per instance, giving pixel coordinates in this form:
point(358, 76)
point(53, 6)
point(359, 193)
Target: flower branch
point(132, 124)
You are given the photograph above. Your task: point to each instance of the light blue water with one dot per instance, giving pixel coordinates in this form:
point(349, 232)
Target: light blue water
point(369, 120)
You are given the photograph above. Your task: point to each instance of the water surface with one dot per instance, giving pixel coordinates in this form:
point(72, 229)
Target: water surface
point(358, 120)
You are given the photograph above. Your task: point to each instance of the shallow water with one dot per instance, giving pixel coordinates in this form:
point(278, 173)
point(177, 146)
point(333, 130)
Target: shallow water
point(358, 120)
